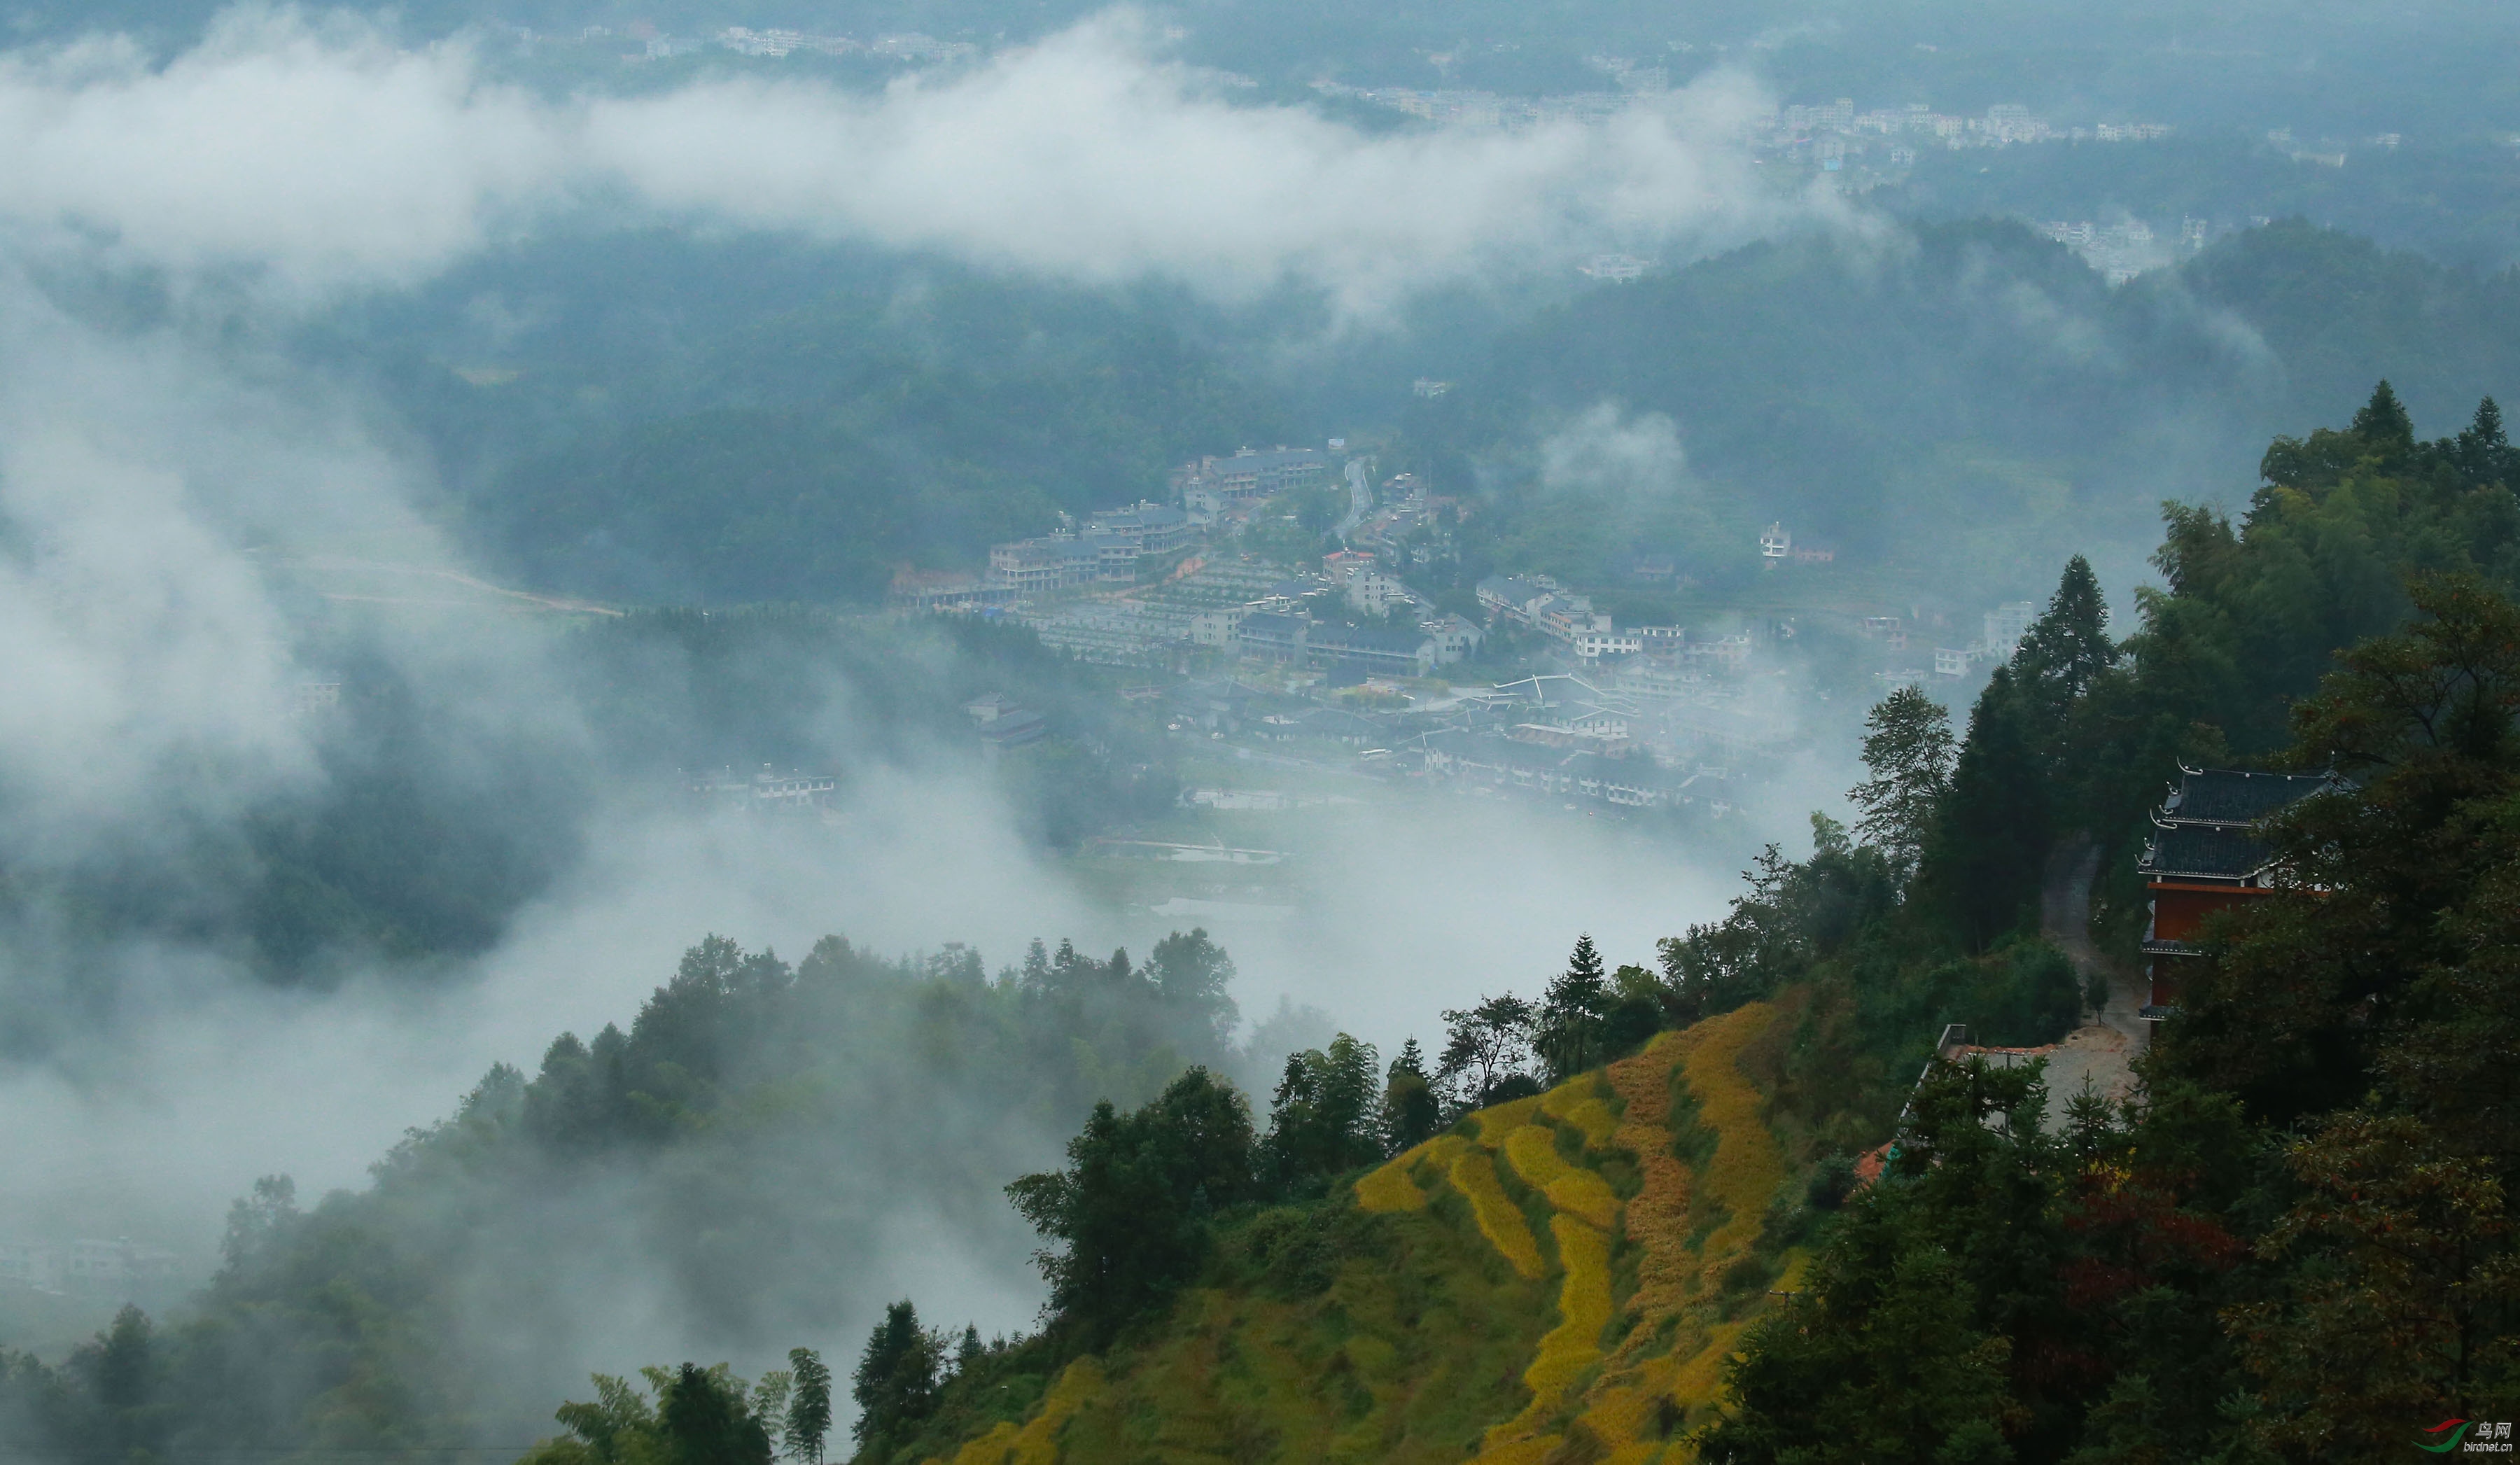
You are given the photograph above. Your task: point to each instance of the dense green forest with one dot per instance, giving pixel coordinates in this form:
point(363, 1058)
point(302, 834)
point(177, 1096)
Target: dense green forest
point(2289, 1246)
point(1957, 399)
point(2190, 1276)
point(651, 420)
point(614, 417)
point(732, 1160)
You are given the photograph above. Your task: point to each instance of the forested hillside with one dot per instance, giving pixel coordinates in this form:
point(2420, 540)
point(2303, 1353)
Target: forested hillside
point(705, 1170)
point(1932, 396)
point(2288, 1245)
point(1621, 1220)
point(1950, 398)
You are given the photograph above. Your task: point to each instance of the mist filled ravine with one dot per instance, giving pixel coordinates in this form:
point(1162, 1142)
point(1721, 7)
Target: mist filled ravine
point(757, 730)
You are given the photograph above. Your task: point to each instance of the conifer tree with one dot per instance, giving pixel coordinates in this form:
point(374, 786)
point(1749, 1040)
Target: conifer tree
point(895, 1383)
point(2067, 647)
point(2482, 452)
point(2383, 423)
point(1572, 1015)
point(1411, 1112)
point(1907, 747)
point(1989, 843)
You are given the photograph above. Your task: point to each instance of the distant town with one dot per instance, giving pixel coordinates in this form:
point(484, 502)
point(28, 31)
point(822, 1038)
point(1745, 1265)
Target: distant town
point(1346, 663)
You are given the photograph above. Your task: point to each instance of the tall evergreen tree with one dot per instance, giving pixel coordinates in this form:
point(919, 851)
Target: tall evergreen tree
point(1908, 746)
point(895, 1383)
point(2383, 423)
point(1411, 1111)
point(1573, 1013)
point(1990, 844)
point(2067, 647)
point(2482, 452)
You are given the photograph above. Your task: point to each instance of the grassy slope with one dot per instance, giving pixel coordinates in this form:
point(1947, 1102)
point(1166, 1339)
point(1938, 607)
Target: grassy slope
point(1559, 1279)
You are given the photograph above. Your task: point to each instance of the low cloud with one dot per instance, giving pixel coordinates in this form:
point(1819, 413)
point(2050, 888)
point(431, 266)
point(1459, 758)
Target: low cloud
point(320, 157)
point(1605, 451)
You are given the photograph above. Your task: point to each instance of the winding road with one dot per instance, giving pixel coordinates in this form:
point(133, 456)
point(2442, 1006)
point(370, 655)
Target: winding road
point(1359, 499)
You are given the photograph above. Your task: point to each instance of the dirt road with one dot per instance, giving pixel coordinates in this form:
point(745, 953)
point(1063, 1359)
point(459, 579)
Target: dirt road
point(2065, 919)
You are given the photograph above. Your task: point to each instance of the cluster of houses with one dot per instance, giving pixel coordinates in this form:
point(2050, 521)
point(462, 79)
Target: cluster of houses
point(119, 1268)
point(767, 792)
point(1544, 605)
point(2003, 627)
point(1105, 551)
point(1212, 488)
point(1112, 547)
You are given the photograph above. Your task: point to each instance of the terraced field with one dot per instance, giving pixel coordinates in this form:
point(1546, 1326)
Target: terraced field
point(1558, 1281)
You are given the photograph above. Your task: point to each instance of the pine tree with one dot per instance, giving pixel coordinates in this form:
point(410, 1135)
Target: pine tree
point(1411, 1112)
point(1572, 1014)
point(895, 1384)
point(2067, 647)
point(2482, 452)
point(2383, 423)
point(1989, 843)
point(1908, 746)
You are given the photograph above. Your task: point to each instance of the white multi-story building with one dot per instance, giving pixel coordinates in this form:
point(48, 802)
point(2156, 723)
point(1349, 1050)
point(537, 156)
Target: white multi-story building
point(1376, 592)
point(2006, 624)
point(1251, 475)
point(1053, 563)
point(1594, 644)
point(1454, 637)
point(1775, 543)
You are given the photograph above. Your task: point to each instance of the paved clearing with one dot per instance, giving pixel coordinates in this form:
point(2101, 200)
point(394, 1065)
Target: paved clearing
point(2100, 1053)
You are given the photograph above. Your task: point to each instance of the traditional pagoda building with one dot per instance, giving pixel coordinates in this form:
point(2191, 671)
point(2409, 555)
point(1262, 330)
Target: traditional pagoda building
point(2207, 857)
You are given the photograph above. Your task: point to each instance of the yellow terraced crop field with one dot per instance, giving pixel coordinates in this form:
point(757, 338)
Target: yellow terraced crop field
point(1606, 1345)
point(1499, 1220)
point(1533, 1152)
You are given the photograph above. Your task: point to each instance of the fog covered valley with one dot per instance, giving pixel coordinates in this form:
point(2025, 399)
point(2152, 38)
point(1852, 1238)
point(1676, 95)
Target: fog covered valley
point(648, 653)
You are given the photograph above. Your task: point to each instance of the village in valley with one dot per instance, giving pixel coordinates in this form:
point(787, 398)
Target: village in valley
point(1353, 664)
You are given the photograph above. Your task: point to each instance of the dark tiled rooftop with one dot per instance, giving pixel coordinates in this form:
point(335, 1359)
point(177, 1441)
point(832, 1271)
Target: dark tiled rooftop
point(2230, 796)
point(2225, 854)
